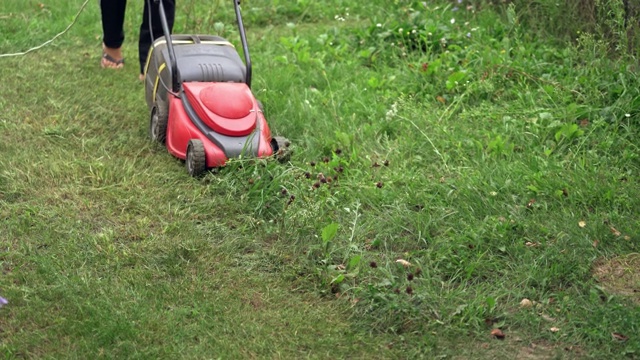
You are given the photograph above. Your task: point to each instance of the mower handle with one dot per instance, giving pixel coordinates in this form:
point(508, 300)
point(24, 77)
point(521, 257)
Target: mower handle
point(243, 39)
point(175, 86)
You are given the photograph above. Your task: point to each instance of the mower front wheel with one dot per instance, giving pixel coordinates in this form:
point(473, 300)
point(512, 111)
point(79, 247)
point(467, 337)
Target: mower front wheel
point(280, 147)
point(196, 160)
point(158, 123)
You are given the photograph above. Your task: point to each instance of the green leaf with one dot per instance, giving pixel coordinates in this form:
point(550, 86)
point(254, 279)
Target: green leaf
point(354, 261)
point(329, 232)
point(434, 66)
point(454, 79)
point(338, 279)
point(374, 82)
point(491, 302)
point(558, 135)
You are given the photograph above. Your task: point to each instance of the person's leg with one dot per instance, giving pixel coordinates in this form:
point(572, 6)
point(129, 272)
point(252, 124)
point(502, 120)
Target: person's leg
point(112, 12)
point(147, 35)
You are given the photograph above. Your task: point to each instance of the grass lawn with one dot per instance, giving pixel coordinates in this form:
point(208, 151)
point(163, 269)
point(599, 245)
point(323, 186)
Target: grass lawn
point(460, 188)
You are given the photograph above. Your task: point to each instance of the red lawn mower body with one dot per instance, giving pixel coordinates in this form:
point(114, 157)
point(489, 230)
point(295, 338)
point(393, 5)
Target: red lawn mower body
point(202, 108)
point(228, 109)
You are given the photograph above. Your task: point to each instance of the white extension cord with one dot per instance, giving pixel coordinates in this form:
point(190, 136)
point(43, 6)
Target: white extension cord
point(53, 38)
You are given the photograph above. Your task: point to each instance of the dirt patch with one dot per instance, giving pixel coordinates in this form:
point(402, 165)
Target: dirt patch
point(255, 300)
point(620, 275)
point(518, 349)
point(543, 351)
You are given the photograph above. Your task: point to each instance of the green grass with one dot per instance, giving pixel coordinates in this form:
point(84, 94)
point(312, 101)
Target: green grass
point(501, 166)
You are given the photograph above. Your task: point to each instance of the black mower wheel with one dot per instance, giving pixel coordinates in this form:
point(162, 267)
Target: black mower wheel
point(281, 148)
point(196, 160)
point(158, 123)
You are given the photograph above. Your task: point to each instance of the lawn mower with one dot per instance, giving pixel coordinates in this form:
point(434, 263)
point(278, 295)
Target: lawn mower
point(198, 91)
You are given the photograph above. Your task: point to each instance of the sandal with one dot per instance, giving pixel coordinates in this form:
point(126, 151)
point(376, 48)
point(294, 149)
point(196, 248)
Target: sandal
point(110, 62)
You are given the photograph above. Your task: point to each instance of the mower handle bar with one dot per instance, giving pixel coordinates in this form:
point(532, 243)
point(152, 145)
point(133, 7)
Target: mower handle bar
point(243, 39)
point(172, 55)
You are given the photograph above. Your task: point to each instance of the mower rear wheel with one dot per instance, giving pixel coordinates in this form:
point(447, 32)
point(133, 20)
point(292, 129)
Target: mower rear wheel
point(196, 160)
point(158, 123)
point(280, 147)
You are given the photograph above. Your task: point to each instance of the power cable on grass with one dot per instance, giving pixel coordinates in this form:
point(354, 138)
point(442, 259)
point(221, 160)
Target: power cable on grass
point(75, 19)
